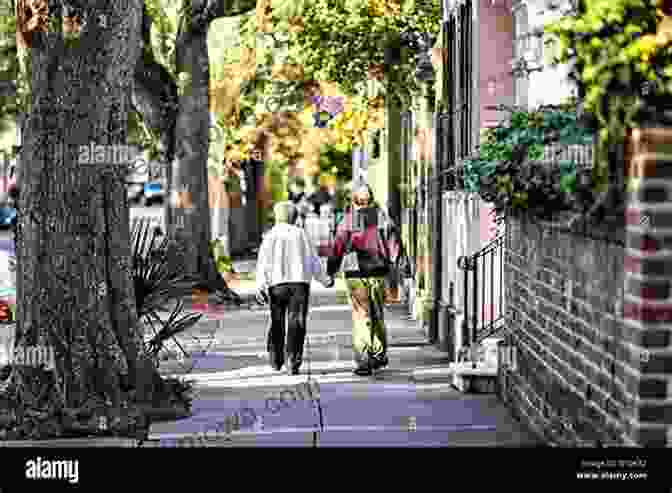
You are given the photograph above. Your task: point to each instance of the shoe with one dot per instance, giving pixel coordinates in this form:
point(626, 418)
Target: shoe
point(363, 372)
point(378, 363)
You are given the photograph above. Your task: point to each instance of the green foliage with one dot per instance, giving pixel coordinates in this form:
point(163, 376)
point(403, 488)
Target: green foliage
point(13, 86)
point(620, 62)
point(343, 196)
point(529, 129)
point(506, 170)
point(276, 177)
point(340, 41)
point(223, 262)
point(336, 161)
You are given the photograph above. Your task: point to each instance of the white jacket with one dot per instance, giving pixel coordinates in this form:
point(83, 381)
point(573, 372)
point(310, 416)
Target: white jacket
point(287, 255)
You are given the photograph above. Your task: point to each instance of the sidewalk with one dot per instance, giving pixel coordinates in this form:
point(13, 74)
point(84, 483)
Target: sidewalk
point(411, 403)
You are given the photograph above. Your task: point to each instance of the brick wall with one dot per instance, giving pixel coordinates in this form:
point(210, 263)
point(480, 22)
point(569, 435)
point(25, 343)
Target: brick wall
point(591, 319)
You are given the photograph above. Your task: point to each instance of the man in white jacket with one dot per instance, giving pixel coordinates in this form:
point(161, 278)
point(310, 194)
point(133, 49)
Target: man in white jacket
point(287, 263)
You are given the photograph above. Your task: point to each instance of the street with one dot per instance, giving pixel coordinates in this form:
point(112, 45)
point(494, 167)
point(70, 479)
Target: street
point(410, 403)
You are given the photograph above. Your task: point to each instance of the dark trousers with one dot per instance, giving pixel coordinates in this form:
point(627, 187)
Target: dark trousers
point(289, 305)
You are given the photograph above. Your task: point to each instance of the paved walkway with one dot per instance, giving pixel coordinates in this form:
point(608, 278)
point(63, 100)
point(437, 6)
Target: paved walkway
point(409, 404)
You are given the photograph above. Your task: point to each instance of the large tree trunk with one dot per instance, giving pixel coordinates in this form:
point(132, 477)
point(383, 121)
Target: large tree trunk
point(189, 216)
point(183, 124)
point(73, 246)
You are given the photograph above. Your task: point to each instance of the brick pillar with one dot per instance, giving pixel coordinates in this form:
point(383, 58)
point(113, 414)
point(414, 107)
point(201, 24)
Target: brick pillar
point(647, 305)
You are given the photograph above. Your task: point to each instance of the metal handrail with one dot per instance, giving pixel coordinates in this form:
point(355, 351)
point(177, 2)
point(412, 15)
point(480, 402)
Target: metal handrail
point(473, 331)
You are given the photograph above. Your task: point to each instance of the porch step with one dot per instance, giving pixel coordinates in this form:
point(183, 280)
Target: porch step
point(479, 380)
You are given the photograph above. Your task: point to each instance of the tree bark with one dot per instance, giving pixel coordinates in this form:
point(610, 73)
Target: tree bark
point(73, 243)
point(183, 122)
point(188, 179)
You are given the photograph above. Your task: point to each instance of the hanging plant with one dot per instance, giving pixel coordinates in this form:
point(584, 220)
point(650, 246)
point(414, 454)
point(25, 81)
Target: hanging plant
point(508, 169)
point(622, 51)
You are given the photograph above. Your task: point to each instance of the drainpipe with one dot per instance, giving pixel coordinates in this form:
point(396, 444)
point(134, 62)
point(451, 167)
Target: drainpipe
point(437, 233)
point(445, 156)
point(426, 76)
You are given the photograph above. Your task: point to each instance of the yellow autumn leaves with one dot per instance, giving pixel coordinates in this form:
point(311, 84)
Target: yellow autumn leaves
point(225, 89)
point(264, 18)
point(352, 127)
point(288, 136)
point(382, 8)
point(287, 71)
point(649, 44)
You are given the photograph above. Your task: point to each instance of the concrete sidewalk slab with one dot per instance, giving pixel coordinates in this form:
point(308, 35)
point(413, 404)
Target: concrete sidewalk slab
point(357, 411)
point(342, 412)
point(354, 436)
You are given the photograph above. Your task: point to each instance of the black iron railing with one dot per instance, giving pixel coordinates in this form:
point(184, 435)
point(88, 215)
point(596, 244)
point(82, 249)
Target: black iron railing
point(483, 296)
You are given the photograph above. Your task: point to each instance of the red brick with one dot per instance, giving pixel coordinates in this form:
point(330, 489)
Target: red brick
point(634, 217)
point(650, 245)
point(648, 139)
point(647, 313)
point(632, 264)
point(649, 289)
point(651, 437)
point(650, 266)
point(648, 164)
point(653, 388)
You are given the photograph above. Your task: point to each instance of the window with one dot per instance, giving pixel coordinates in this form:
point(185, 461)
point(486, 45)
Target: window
point(520, 44)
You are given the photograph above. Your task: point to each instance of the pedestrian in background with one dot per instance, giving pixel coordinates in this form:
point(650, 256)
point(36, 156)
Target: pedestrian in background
point(299, 197)
point(319, 199)
point(368, 234)
point(287, 263)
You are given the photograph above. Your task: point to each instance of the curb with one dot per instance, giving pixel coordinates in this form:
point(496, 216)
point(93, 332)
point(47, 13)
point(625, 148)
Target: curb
point(73, 442)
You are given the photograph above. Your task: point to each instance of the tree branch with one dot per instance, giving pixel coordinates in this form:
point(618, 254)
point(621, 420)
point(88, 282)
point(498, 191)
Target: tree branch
point(154, 93)
point(215, 9)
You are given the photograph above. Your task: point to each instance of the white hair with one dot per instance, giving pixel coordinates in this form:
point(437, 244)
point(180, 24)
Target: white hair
point(285, 212)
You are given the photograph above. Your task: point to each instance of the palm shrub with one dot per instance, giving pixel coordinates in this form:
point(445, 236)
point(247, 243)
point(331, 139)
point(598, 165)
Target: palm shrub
point(159, 287)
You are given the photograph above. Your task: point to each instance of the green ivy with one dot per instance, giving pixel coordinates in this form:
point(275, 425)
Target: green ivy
point(524, 128)
point(336, 161)
point(342, 40)
point(620, 63)
point(506, 171)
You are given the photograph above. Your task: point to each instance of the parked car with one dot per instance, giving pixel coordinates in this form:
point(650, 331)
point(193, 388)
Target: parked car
point(7, 205)
point(7, 216)
point(154, 191)
point(7, 285)
point(135, 192)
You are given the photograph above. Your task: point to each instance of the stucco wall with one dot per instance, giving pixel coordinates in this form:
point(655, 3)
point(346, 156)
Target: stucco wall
point(496, 52)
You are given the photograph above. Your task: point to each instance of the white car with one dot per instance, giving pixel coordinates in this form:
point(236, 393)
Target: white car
point(134, 191)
